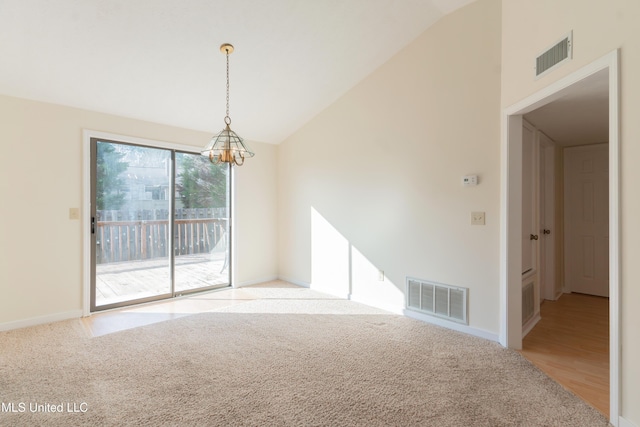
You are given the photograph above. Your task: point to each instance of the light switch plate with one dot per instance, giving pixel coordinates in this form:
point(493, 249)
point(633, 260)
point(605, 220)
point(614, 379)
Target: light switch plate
point(74, 213)
point(477, 218)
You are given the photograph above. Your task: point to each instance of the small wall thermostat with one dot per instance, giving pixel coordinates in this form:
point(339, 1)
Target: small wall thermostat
point(470, 180)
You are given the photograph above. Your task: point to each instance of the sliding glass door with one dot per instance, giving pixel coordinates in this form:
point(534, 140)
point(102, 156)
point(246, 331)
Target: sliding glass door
point(201, 223)
point(160, 224)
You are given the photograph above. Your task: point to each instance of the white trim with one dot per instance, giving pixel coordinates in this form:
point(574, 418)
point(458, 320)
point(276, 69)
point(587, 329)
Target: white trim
point(451, 325)
point(391, 308)
point(531, 324)
point(88, 133)
point(402, 311)
point(510, 208)
point(510, 237)
point(40, 320)
point(256, 281)
point(86, 222)
point(295, 282)
point(554, 91)
point(625, 423)
point(233, 273)
point(615, 372)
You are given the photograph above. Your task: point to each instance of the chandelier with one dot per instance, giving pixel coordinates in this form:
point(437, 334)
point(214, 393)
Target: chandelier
point(227, 146)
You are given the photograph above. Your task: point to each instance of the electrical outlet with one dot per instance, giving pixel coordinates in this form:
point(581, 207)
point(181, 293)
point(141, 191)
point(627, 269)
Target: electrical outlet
point(477, 218)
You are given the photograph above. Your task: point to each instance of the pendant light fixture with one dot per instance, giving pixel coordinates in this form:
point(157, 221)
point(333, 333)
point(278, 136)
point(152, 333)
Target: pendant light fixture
point(227, 146)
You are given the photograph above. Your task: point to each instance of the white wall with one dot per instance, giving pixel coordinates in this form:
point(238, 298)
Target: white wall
point(255, 213)
point(375, 179)
point(531, 26)
point(41, 178)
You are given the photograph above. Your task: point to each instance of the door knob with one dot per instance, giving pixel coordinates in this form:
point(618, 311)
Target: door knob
point(545, 231)
point(533, 237)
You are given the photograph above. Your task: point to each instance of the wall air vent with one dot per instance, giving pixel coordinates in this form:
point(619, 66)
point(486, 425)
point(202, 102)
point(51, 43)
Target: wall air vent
point(555, 56)
point(447, 302)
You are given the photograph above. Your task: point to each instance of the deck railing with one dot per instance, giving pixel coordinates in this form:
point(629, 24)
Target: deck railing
point(123, 240)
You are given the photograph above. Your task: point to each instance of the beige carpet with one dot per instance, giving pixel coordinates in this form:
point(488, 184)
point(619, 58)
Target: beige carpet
point(263, 363)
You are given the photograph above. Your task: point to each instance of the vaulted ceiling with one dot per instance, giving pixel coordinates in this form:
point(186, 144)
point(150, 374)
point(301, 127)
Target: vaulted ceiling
point(159, 60)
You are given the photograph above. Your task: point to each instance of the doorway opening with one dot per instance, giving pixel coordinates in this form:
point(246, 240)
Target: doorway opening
point(512, 204)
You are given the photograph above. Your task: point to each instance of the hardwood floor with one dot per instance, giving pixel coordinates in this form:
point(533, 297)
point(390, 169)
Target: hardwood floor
point(571, 345)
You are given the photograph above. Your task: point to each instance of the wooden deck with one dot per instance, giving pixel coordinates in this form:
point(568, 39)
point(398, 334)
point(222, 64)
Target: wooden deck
point(118, 282)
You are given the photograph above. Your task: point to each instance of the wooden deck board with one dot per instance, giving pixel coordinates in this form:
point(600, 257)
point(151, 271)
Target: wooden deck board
point(117, 282)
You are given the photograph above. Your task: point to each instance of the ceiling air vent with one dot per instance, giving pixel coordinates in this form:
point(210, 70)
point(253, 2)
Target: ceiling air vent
point(554, 56)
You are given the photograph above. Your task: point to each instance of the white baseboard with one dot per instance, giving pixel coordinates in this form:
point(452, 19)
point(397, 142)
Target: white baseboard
point(255, 281)
point(400, 310)
point(295, 282)
point(41, 320)
point(530, 324)
point(625, 423)
point(392, 308)
point(452, 325)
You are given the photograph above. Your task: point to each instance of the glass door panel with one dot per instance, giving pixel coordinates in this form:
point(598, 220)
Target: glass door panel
point(131, 224)
point(201, 225)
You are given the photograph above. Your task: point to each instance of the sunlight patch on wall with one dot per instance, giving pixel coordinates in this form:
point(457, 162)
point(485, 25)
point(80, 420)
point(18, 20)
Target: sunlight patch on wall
point(339, 268)
point(370, 287)
point(329, 258)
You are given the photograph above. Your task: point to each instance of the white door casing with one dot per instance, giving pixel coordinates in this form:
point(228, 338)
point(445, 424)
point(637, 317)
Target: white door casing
point(586, 171)
point(548, 231)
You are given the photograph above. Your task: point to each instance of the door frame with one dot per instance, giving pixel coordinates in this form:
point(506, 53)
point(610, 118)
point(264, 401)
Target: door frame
point(511, 214)
point(547, 170)
point(87, 135)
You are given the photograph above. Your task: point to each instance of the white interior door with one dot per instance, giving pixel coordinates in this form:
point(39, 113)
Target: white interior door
point(586, 170)
point(530, 236)
point(529, 227)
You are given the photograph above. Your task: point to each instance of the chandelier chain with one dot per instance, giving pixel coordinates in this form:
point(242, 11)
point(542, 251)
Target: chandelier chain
point(228, 85)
